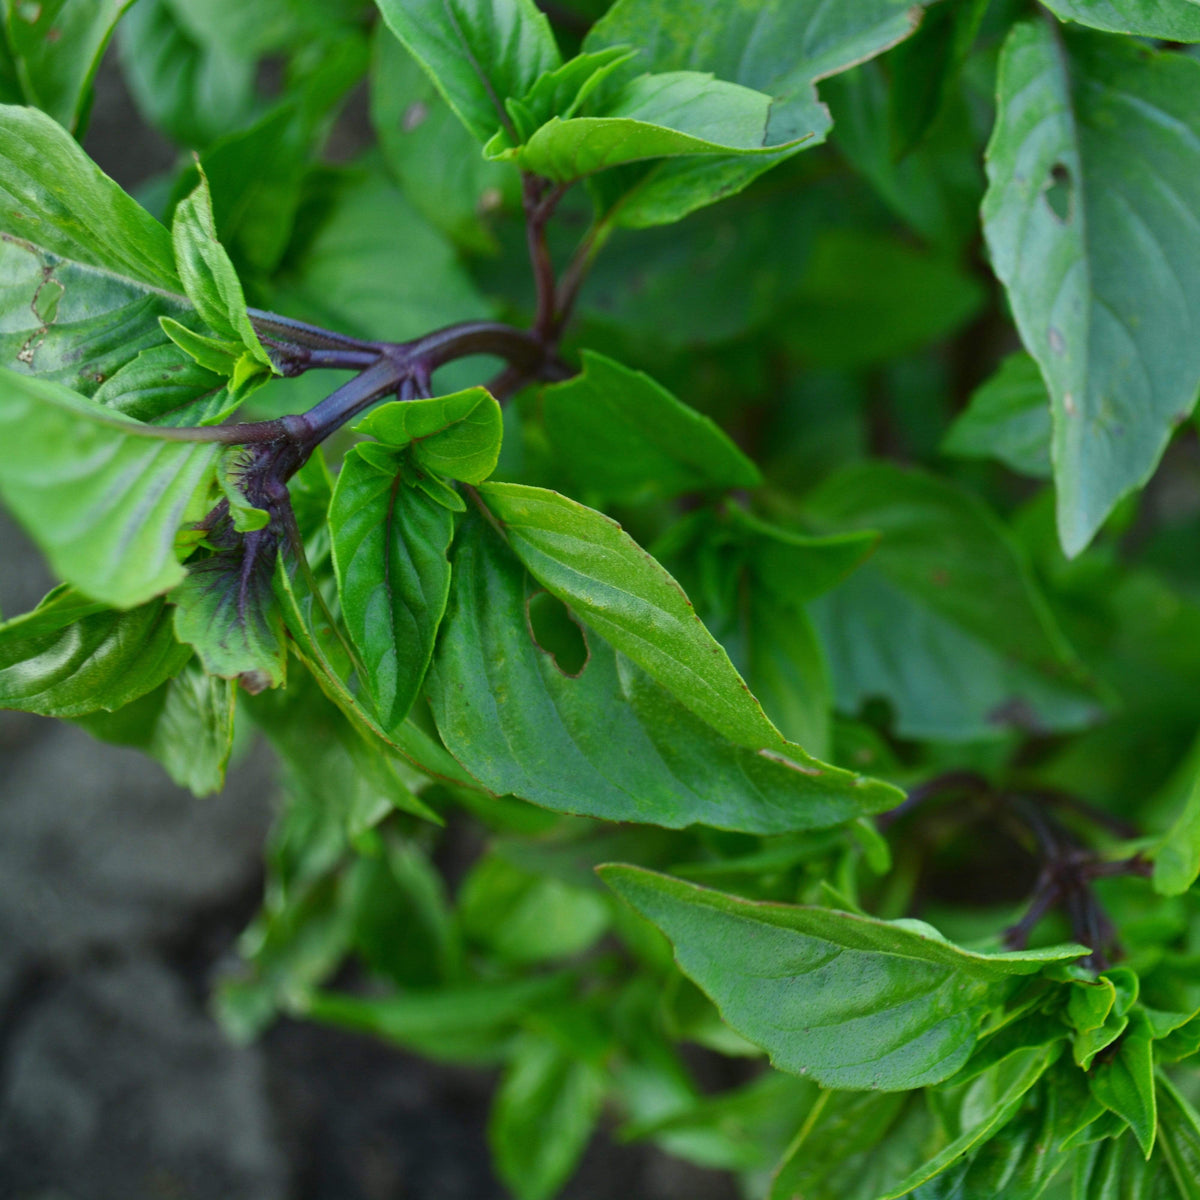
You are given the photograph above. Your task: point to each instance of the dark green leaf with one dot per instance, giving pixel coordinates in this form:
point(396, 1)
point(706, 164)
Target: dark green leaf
point(543, 1116)
point(609, 742)
point(103, 496)
point(1008, 419)
point(69, 657)
point(477, 52)
point(389, 550)
point(850, 1001)
point(807, 41)
point(626, 438)
point(1094, 174)
point(227, 610)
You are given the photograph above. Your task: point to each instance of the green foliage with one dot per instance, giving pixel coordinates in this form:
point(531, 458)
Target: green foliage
point(664, 556)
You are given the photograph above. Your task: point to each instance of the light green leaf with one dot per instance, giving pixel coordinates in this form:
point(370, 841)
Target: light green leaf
point(166, 386)
point(1171, 20)
point(477, 52)
point(457, 435)
point(1124, 1083)
point(54, 197)
point(57, 46)
point(561, 92)
point(607, 741)
point(779, 48)
point(389, 551)
point(1008, 418)
point(1179, 1137)
point(591, 564)
point(103, 496)
point(1094, 177)
point(625, 437)
point(70, 657)
point(211, 283)
point(543, 1116)
point(186, 724)
point(668, 115)
point(1177, 859)
point(849, 1001)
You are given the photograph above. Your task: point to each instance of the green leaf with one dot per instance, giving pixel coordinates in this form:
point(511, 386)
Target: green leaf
point(457, 435)
point(1112, 1169)
point(186, 724)
point(591, 564)
point(667, 115)
point(1124, 1083)
point(543, 1116)
point(1171, 20)
point(389, 550)
point(951, 578)
point(1094, 173)
point(226, 609)
point(70, 657)
point(1177, 859)
point(521, 917)
point(850, 1001)
point(359, 275)
point(477, 52)
point(103, 496)
point(1008, 418)
point(56, 47)
point(806, 41)
point(192, 90)
point(1179, 1137)
point(609, 741)
point(433, 158)
point(208, 276)
point(626, 438)
point(166, 386)
point(470, 1021)
point(853, 304)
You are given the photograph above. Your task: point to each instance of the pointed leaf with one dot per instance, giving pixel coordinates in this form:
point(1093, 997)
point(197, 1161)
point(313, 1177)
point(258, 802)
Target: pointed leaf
point(477, 52)
point(609, 741)
point(103, 496)
point(1124, 1083)
point(1177, 860)
point(1171, 20)
point(623, 436)
point(389, 550)
point(1094, 179)
point(850, 1001)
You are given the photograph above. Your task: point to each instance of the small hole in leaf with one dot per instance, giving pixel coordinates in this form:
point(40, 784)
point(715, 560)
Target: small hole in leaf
point(556, 632)
point(1060, 194)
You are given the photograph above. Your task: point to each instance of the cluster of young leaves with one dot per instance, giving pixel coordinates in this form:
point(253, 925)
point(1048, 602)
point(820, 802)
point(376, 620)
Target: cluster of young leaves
point(974, 238)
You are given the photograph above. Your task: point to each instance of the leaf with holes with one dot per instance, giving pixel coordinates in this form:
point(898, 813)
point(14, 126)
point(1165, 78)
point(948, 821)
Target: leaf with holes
point(608, 741)
point(1094, 183)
